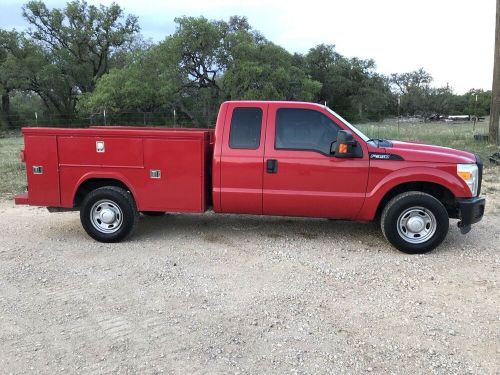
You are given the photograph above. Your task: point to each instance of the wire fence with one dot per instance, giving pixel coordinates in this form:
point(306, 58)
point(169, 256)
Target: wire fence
point(166, 119)
point(161, 119)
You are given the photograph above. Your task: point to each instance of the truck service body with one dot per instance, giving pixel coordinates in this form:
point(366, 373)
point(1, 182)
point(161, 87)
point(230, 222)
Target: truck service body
point(262, 158)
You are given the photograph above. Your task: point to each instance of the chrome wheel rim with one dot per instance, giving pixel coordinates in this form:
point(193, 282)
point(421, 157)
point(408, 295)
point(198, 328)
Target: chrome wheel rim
point(416, 225)
point(106, 216)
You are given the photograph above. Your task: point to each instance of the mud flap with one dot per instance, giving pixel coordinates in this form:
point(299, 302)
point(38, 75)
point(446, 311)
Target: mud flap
point(464, 229)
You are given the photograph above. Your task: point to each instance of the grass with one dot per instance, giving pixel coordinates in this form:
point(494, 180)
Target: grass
point(459, 136)
point(13, 177)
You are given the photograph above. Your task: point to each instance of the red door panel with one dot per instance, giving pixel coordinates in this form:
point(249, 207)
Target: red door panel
point(241, 169)
point(309, 183)
point(42, 170)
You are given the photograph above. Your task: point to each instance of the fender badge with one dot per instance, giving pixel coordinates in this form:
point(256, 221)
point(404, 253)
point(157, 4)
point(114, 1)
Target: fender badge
point(374, 155)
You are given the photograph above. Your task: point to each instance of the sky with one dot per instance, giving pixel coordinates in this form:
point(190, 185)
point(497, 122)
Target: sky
point(453, 40)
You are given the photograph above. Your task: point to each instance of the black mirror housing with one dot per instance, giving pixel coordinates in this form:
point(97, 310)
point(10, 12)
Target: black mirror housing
point(346, 146)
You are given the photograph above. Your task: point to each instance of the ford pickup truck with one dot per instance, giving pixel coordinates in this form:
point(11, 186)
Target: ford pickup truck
point(262, 158)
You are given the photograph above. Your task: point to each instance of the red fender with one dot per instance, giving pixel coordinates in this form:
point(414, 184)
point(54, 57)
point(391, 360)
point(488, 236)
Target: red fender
point(411, 174)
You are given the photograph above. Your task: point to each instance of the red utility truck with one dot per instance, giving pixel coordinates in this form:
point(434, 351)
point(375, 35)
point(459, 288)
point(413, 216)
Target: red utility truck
point(263, 158)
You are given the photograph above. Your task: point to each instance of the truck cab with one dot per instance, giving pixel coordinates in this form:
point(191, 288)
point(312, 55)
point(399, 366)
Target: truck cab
point(275, 158)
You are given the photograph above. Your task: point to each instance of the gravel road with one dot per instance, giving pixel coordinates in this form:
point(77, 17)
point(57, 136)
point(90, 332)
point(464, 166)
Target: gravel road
point(195, 294)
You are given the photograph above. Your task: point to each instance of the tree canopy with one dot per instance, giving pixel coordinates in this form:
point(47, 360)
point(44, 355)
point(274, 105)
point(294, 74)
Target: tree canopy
point(83, 59)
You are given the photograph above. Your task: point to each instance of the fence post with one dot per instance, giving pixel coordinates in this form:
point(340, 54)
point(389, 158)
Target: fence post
point(475, 116)
point(399, 106)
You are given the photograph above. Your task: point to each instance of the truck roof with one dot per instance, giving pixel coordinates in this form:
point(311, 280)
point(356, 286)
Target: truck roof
point(298, 103)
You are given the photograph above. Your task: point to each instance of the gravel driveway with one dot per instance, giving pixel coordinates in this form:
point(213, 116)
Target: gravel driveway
point(195, 294)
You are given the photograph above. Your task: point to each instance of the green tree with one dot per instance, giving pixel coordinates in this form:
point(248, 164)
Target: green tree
point(79, 41)
point(414, 89)
point(266, 71)
point(147, 83)
point(351, 86)
point(26, 67)
point(482, 106)
point(203, 63)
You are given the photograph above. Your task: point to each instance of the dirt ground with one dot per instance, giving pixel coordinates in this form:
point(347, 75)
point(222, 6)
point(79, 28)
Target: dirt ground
point(192, 294)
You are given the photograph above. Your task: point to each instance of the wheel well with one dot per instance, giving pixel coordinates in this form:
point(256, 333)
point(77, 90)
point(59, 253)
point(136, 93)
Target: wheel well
point(94, 183)
point(439, 192)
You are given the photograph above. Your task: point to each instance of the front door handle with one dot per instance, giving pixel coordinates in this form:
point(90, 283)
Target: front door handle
point(271, 166)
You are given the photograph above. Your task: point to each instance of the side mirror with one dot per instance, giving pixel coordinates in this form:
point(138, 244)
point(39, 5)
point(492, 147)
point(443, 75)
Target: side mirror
point(345, 146)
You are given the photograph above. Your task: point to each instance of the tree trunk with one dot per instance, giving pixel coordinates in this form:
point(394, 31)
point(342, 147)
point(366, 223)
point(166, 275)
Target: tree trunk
point(495, 92)
point(187, 112)
point(6, 109)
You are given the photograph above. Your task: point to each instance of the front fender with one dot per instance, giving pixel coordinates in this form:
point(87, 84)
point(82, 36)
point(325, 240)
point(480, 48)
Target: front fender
point(445, 176)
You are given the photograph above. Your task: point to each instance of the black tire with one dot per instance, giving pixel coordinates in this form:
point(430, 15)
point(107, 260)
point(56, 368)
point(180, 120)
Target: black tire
point(114, 203)
point(427, 213)
point(153, 213)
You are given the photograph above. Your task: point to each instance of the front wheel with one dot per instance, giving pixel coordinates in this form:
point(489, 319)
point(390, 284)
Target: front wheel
point(414, 222)
point(108, 214)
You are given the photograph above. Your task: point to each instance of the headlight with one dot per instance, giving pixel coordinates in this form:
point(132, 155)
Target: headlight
point(469, 173)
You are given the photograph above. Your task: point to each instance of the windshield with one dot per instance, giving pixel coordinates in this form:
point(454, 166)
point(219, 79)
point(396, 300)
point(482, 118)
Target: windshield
point(352, 127)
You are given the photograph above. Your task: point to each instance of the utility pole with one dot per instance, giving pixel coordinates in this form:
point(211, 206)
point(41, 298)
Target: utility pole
point(495, 92)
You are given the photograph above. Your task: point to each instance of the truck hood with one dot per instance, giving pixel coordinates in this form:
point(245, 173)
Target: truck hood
point(420, 152)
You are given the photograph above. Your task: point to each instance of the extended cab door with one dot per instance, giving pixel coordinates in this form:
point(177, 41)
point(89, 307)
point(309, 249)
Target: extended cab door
point(242, 155)
point(301, 178)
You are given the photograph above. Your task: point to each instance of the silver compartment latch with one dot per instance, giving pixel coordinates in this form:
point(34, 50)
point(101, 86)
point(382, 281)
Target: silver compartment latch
point(37, 169)
point(154, 173)
point(99, 146)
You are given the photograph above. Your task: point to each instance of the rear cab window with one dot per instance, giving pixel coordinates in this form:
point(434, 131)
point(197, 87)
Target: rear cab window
point(245, 128)
point(304, 129)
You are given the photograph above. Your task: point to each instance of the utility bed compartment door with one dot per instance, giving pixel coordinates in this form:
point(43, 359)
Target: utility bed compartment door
point(42, 170)
point(100, 151)
point(174, 175)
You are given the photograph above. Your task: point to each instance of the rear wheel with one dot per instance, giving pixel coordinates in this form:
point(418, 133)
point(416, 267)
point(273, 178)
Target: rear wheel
point(414, 222)
point(108, 214)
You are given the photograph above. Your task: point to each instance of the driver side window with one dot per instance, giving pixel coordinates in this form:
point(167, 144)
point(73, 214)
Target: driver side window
point(304, 129)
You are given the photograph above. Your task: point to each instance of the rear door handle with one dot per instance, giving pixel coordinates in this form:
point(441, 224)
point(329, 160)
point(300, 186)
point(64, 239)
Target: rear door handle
point(271, 166)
